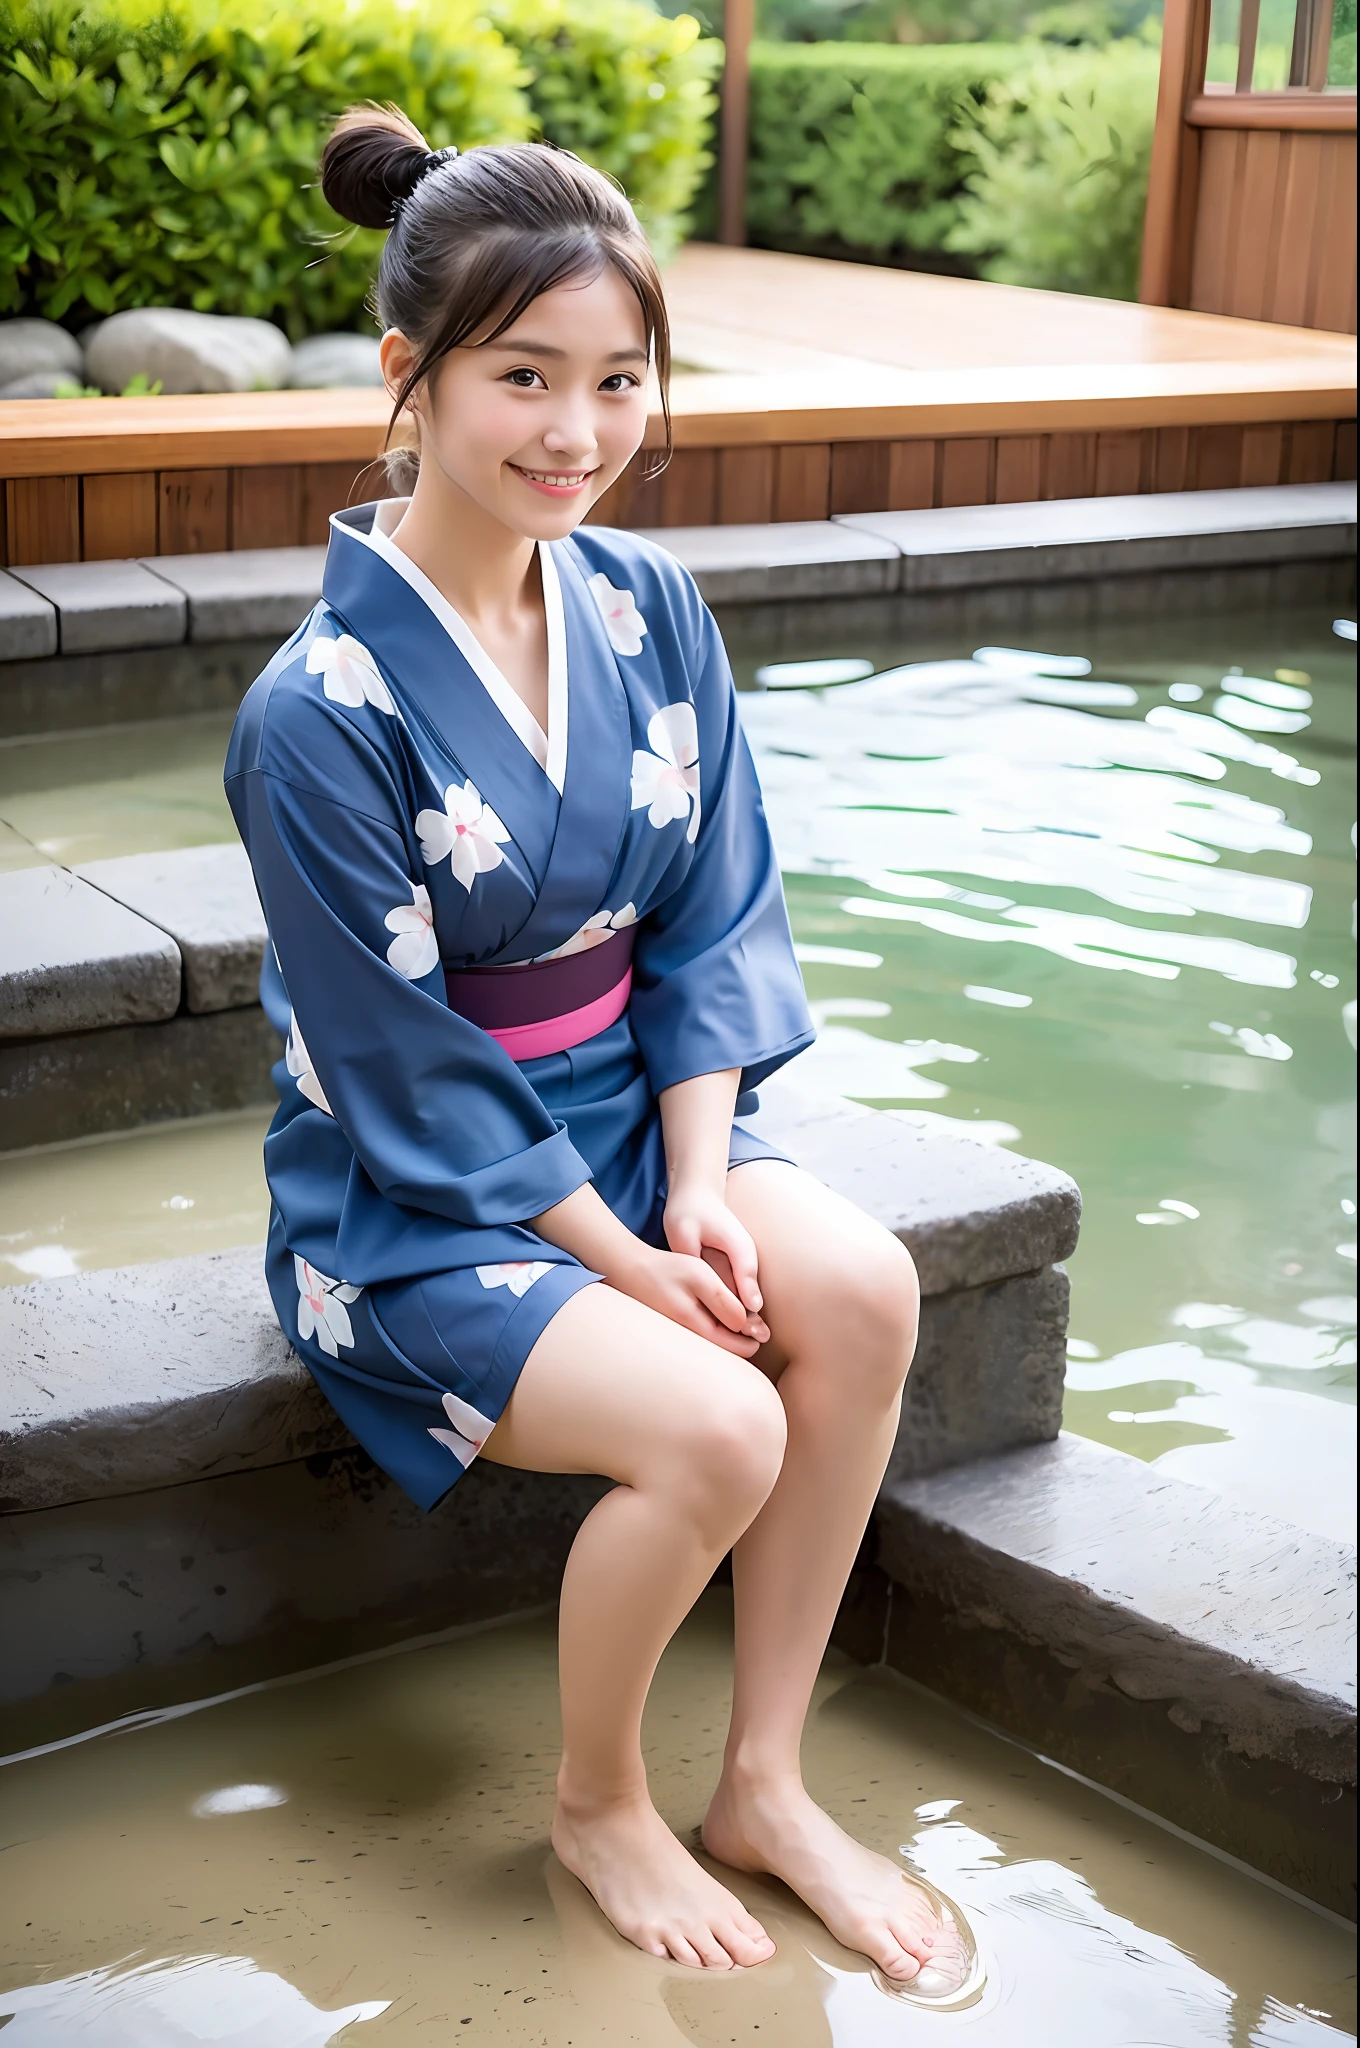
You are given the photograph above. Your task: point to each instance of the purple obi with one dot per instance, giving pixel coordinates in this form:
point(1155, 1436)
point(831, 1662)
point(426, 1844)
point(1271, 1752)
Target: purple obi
point(543, 1006)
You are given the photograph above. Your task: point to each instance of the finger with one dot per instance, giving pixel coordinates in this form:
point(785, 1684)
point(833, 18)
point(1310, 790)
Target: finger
point(727, 1238)
point(682, 1235)
point(719, 1300)
point(707, 1326)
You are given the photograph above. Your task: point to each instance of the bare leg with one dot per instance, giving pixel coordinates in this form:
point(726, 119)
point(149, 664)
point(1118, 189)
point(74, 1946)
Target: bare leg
point(841, 1301)
point(694, 1437)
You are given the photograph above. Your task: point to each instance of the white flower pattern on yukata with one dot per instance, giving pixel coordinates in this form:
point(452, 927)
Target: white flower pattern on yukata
point(415, 950)
point(594, 932)
point(470, 1430)
point(518, 1275)
point(467, 833)
point(298, 1061)
point(623, 622)
point(321, 1308)
point(667, 779)
point(350, 672)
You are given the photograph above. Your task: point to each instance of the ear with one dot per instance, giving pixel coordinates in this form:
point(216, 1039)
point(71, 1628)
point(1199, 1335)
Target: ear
point(397, 358)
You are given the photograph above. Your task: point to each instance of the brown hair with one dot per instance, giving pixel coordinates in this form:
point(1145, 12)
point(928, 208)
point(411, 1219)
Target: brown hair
point(474, 239)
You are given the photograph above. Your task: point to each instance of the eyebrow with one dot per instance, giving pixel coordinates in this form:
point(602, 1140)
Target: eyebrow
point(544, 348)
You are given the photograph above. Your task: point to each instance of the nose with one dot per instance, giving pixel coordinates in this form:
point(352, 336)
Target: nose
point(570, 435)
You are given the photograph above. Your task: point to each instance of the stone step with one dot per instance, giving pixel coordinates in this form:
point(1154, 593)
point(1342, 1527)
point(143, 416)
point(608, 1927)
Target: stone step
point(1192, 1655)
point(90, 643)
point(155, 1419)
point(112, 978)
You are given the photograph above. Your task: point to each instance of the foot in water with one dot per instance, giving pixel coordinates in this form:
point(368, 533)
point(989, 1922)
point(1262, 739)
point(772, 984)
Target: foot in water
point(652, 1889)
point(867, 1902)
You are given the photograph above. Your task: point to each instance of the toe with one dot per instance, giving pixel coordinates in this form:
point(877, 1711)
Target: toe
point(708, 1948)
point(896, 1961)
point(682, 1951)
point(746, 1942)
point(916, 1941)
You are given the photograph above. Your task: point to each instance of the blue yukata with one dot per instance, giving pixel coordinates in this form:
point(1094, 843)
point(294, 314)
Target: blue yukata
point(407, 821)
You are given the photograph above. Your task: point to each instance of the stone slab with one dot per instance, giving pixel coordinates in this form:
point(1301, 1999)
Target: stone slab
point(28, 623)
point(1192, 1655)
point(988, 1373)
point(123, 685)
point(204, 897)
point(244, 594)
point(795, 558)
point(72, 960)
point(969, 1213)
point(106, 605)
point(1096, 537)
point(87, 1082)
point(111, 1606)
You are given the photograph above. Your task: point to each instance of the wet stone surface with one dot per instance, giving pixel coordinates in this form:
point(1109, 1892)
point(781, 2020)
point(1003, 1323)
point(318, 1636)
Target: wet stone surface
point(204, 897)
point(72, 960)
point(369, 1850)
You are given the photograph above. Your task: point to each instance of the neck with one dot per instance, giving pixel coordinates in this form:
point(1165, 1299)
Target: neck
point(480, 565)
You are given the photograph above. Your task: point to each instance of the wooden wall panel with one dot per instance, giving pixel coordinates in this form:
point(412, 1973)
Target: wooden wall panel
point(802, 481)
point(1019, 469)
point(1332, 302)
point(1262, 456)
point(1274, 228)
point(689, 488)
point(967, 472)
point(1312, 448)
point(1215, 232)
point(859, 475)
point(1303, 159)
point(1123, 462)
point(194, 511)
point(325, 487)
point(118, 516)
point(745, 486)
point(911, 476)
point(266, 506)
point(1070, 470)
point(1254, 249)
point(1215, 458)
point(43, 519)
point(1171, 459)
point(1343, 458)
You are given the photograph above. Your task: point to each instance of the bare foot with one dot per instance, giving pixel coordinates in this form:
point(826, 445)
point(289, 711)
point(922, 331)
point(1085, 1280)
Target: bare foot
point(866, 1902)
point(652, 1889)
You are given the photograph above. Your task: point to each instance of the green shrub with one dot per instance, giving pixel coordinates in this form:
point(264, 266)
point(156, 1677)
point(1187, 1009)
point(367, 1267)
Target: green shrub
point(1061, 154)
point(1020, 162)
point(158, 152)
point(627, 89)
point(856, 142)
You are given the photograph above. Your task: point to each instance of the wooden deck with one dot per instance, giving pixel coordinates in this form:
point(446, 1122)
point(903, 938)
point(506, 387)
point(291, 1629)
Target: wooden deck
point(806, 388)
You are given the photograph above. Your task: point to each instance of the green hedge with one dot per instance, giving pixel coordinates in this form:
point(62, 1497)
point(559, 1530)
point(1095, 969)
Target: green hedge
point(1019, 162)
point(160, 152)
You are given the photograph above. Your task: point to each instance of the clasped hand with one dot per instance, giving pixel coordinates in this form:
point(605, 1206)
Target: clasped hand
point(707, 1281)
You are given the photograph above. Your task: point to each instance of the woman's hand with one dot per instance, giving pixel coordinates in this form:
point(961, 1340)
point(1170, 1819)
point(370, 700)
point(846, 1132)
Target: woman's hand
point(699, 1225)
point(691, 1292)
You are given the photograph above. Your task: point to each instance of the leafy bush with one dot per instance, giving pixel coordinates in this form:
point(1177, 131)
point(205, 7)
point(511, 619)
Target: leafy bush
point(1061, 153)
point(1023, 163)
point(159, 152)
point(627, 89)
point(856, 142)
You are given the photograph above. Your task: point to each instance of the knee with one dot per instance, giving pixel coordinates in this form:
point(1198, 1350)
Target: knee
point(875, 1308)
point(732, 1452)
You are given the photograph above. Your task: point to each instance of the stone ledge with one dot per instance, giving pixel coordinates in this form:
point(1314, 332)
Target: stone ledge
point(204, 898)
point(1192, 1655)
point(248, 592)
point(28, 623)
point(793, 559)
point(153, 1376)
point(72, 960)
point(108, 605)
point(970, 1213)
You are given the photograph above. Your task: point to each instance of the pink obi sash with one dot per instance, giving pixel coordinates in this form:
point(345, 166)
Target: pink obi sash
point(543, 1006)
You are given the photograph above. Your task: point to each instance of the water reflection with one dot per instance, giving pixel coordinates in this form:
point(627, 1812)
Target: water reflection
point(174, 2004)
point(1070, 812)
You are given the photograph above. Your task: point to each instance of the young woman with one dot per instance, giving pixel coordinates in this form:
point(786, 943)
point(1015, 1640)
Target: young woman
point(530, 959)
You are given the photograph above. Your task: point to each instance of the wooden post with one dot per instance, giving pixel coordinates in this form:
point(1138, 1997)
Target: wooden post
point(1172, 175)
point(738, 27)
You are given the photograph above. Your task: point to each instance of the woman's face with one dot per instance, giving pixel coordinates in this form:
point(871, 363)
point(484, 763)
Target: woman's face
point(534, 426)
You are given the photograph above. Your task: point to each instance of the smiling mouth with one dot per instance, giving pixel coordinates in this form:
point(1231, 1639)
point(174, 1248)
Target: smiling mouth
point(561, 481)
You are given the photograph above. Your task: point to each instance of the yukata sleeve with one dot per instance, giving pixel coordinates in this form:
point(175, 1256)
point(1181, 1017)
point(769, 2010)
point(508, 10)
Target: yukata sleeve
point(715, 980)
point(438, 1115)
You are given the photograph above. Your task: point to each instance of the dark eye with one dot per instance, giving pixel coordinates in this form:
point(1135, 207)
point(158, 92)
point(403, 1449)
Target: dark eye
point(524, 379)
point(620, 381)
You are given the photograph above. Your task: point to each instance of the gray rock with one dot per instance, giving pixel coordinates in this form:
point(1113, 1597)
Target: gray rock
point(28, 623)
point(790, 558)
point(248, 592)
point(86, 1082)
point(185, 351)
point(324, 362)
point(38, 384)
point(71, 960)
point(988, 1373)
point(32, 347)
point(204, 897)
point(107, 605)
point(969, 1213)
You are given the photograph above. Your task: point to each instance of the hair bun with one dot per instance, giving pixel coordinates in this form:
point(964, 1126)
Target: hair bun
point(373, 159)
